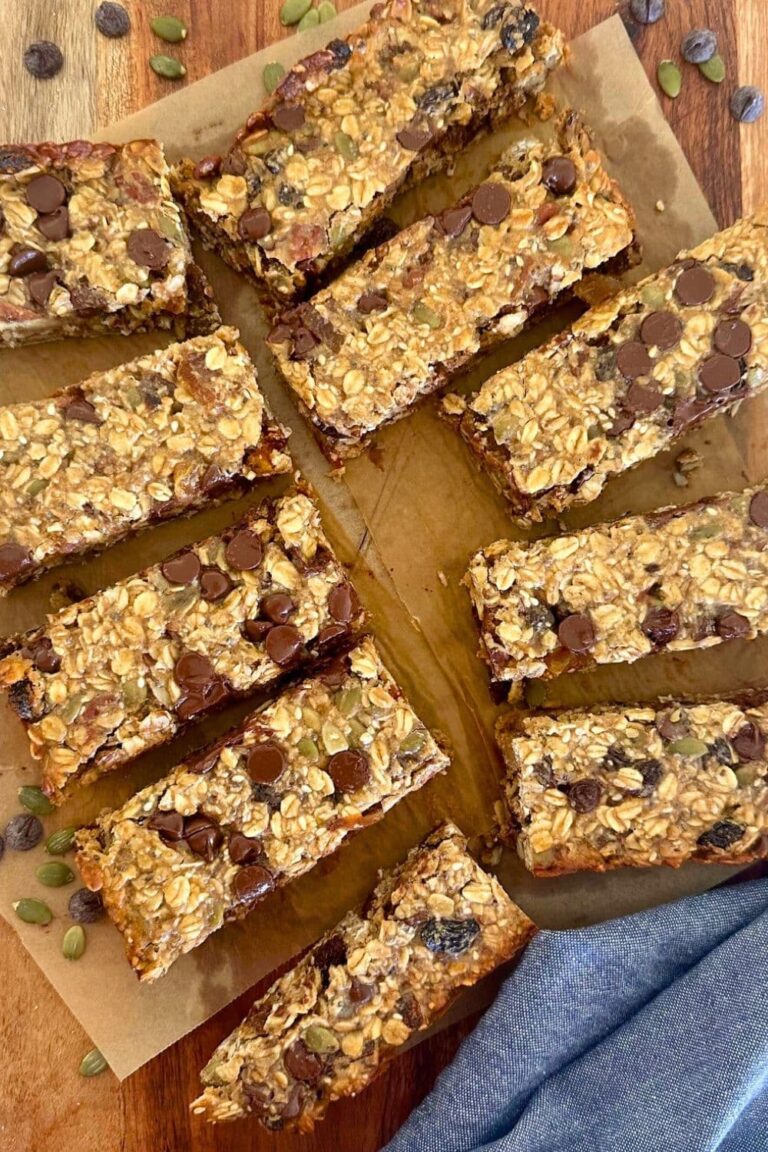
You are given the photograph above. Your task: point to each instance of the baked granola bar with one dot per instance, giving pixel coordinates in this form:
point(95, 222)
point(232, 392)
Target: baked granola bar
point(638, 786)
point(159, 437)
point(628, 379)
point(680, 578)
point(125, 670)
point(92, 242)
point(397, 324)
point(256, 809)
point(316, 167)
point(325, 1029)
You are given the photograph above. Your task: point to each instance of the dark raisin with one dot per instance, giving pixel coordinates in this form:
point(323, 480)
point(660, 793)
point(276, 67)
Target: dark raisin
point(494, 16)
point(340, 51)
point(585, 795)
point(332, 951)
point(288, 195)
point(86, 907)
point(13, 160)
point(721, 835)
point(543, 772)
point(617, 757)
point(538, 617)
point(112, 20)
point(450, 937)
point(273, 162)
point(23, 832)
point(722, 751)
point(410, 1010)
point(651, 772)
point(265, 795)
point(431, 100)
point(520, 30)
point(605, 364)
point(43, 59)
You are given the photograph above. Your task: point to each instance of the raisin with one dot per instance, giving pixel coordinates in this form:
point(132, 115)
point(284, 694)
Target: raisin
point(86, 907)
point(520, 30)
point(340, 51)
point(432, 98)
point(722, 751)
point(617, 757)
point(330, 952)
point(450, 937)
point(651, 772)
point(23, 832)
point(721, 835)
point(494, 16)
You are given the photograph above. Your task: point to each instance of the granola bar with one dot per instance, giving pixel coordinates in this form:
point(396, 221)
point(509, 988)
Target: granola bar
point(681, 578)
point(324, 1030)
point(628, 379)
point(159, 437)
point(125, 670)
point(256, 809)
point(92, 243)
point(397, 324)
point(315, 168)
point(639, 786)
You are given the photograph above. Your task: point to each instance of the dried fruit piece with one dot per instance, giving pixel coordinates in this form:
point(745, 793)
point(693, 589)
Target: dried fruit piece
point(92, 1063)
point(112, 20)
point(670, 78)
point(169, 28)
point(647, 11)
point(699, 46)
point(272, 75)
point(85, 907)
point(23, 832)
point(34, 800)
point(43, 59)
point(55, 874)
point(73, 944)
point(60, 842)
point(451, 937)
point(713, 69)
point(747, 104)
point(167, 66)
point(33, 911)
point(721, 835)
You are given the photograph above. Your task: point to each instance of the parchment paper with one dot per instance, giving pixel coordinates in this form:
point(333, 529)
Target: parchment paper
point(406, 518)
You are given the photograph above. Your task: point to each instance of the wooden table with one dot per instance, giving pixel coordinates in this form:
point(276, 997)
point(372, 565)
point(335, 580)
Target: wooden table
point(44, 1105)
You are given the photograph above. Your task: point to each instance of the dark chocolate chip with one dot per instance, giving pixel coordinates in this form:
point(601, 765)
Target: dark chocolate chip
point(170, 826)
point(343, 603)
point(24, 261)
point(718, 373)
point(491, 203)
point(252, 882)
point(694, 286)
point(361, 993)
point(280, 333)
point(304, 344)
point(43, 59)
point(559, 175)
point(195, 671)
point(14, 560)
point(330, 633)
point(632, 360)
point(670, 729)
point(112, 20)
point(749, 743)
point(758, 509)
point(585, 795)
point(733, 338)
point(214, 584)
point(235, 164)
point(288, 117)
point(449, 937)
point(244, 850)
point(372, 302)
point(349, 770)
point(721, 835)
point(643, 400)
point(203, 835)
point(45, 193)
point(54, 226)
point(198, 700)
point(302, 1064)
point(256, 630)
point(414, 137)
point(284, 643)
point(454, 220)
point(183, 568)
point(576, 633)
point(244, 552)
point(82, 410)
point(254, 224)
point(203, 764)
point(732, 626)
point(661, 330)
point(278, 608)
point(660, 626)
point(40, 285)
point(149, 249)
point(265, 763)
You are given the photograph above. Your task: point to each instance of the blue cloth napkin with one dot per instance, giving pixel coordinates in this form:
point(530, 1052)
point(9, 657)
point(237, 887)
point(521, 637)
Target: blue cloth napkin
point(645, 1034)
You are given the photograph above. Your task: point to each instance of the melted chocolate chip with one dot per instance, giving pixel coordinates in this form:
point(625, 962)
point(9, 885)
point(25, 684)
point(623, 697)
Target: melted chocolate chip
point(454, 220)
point(661, 330)
point(372, 302)
point(414, 137)
point(193, 670)
point(558, 175)
point(302, 1064)
point(14, 560)
point(204, 836)
point(265, 763)
point(576, 633)
point(733, 338)
point(184, 568)
point(660, 626)
point(214, 584)
point(349, 770)
point(278, 608)
point(670, 729)
point(44, 657)
point(256, 630)
point(343, 603)
point(40, 285)
point(491, 203)
point(284, 644)
point(643, 400)
point(329, 953)
point(288, 117)
point(632, 360)
point(170, 826)
point(244, 552)
point(749, 743)
point(695, 286)
point(243, 850)
point(54, 226)
point(149, 249)
point(718, 373)
point(732, 626)
point(330, 633)
point(24, 261)
point(585, 795)
point(758, 509)
point(254, 224)
point(81, 409)
point(252, 882)
point(45, 194)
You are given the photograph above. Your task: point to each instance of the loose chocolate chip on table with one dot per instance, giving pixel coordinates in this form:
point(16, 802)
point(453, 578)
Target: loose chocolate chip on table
point(288, 117)
point(732, 626)
point(758, 509)
point(454, 220)
point(558, 175)
point(184, 568)
point(349, 770)
point(303, 1064)
point(283, 644)
point(24, 261)
point(449, 937)
point(721, 835)
point(694, 286)
point(266, 763)
point(749, 743)
point(244, 850)
point(169, 825)
point(55, 225)
point(244, 552)
point(254, 224)
point(214, 584)
point(112, 20)
point(278, 607)
point(413, 138)
point(252, 882)
point(14, 560)
point(45, 193)
point(82, 410)
point(149, 249)
point(585, 795)
point(733, 338)
point(747, 104)
point(641, 399)
point(491, 203)
point(660, 626)
point(23, 832)
point(343, 603)
point(718, 373)
point(43, 59)
point(256, 630)
point(699, 46)
point(661, 330)
point(576, 633)
point(85, 907)
point(40, 285)
point(632, 359)
point(203, 835)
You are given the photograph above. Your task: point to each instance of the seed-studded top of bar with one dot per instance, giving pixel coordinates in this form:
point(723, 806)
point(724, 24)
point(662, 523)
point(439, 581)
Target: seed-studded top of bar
point(258, 808)
point(639, 785)
point(392, 326)
point(347, 124)
point(124, 670)
point(433, 925)
point(680, 578)
point(154, 438)
point(630, 377)
point(89, 230)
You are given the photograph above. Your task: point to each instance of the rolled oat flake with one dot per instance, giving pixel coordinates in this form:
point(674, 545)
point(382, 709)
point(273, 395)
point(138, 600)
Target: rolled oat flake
point(43, 59)
point(747, 104)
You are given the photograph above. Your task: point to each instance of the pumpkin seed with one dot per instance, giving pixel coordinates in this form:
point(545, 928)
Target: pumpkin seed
point(311, 717)
point(55, 874)
point(34, 800)
point(350, 701)
point(562, 246)
point(423, 314)
point(169, 28)
point(33, 911)
point(293, 10)
point(70, 710)
point(308, 749)
point(171, 229)
point(37, 486)
point(688, 746)
point(134, 694)
point(413, 743)
point(73, 944)
point(92, 1063)
point(272, 75)
point(705, 531)
point(327, 11)
point(60, 842)
point(670, 78)
point(346, 146)
point(356, 730)
point(653, 296)
point(320, 1040)
point(167, 67)
point(310, 20)
point(713, 69)
point(132, 395)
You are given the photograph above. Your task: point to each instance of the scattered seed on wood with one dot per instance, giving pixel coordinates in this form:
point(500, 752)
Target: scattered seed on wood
point(92, 1063)
point(293, 10)
point(670, 78)
point(167, 66)
point(169, 28)
point(713, 69)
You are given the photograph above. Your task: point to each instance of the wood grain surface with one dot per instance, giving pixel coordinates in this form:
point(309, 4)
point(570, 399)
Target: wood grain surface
point(44, 1105)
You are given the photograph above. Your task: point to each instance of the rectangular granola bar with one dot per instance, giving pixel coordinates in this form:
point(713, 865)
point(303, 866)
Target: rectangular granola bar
point(256, 809)
point(681, 578)
point(125, 670)
point(395, 326)
point(628, 379)
point(93, 243)
point(324, 1030)
point(158, 437)
point(348, 127)
point(638, 786)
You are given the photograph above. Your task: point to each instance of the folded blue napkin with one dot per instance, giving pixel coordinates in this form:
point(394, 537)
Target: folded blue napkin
point(645, 1034)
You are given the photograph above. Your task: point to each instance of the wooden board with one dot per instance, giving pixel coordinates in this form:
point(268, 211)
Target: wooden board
point(44, 1104)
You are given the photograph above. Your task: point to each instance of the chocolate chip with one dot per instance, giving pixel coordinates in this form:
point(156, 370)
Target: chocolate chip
point(278, 607)
point(559, 175)
point(349, 770)
point(214, 584)
point(235, 164)
point(254, 224)
point(632, 359)
point(45, 193)
point(732, 626)
point(112, 20)
point(207, 167)
point(244, 552)
point(330, 633)
point(288, 117)
point(454, 220)
point(204, 836)
point(694, 286)
point(361, 993)
point(200, 699)
point(284, 643)
point(14, 560)
point(749, 743)
point(304, 344)
point(585, 795)
point(44, 656)
point(372, 302)
point(733, 338)
point(670, 729)
point(54, 226)
point(414, 137)
point(302, 1064)
point(343, 603)
point(149, 249)
point(661, 330)
point(256, 630)
point(758, 509)
point(204, 763)
point(193, 670)
point(622, 422)
point(40, 285)
point(491, 203)
point(721, 835)
point(243, 850)
point(252, 882)
point(43, 59)
point(24, 261)
point(280, 333)
point(660, 626)
point(170, 826)
point(719, 373)
point(265, 763)
point(641, 399)
point(183, 568)
point(81, 409)
point(576, 633)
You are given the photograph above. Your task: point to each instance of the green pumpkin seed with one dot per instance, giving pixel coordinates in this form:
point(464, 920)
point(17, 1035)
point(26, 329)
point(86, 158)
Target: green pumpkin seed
point(653, 296)
point(688, 746)
point(670, 78)
point(310, 20)
point(55, 874)
point(308, 749)
point(320, 1040)
point(293, 10)
point(169, 28)
point(311, 718)
point(73, 944)
point(92, 1063)
point(349, 701)
point(413, 743)
point(272, 75)
point(356, 731)
point(705, 531)
point(346, 146)
point(33, 911)
point(132, 396)
point(60, 842)
point(562, 247)
point(134, 694)
point(37, 486)
point(171, 228)
point(423, 314)
point(167, 67)
point(34, 800)
point(713, 69)
point(69, 711)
